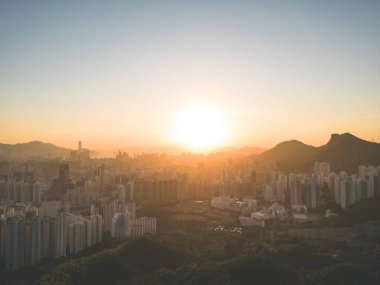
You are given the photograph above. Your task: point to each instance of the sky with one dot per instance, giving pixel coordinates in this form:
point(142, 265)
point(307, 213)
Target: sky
point(118, 74)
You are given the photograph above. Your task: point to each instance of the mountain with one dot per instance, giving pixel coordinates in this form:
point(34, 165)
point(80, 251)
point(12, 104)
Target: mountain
point(347, 152)
point(344, 152)
point(32, 149)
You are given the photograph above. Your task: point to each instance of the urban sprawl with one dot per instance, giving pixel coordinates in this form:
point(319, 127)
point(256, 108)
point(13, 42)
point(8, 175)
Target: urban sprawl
point(51, 208)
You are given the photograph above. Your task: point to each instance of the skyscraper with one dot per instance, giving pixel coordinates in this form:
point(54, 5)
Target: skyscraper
point(64, 172)
point(59, 235)
point(14, 247)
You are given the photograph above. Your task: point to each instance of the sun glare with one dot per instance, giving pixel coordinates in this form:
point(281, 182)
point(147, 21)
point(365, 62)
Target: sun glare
point(201, 128)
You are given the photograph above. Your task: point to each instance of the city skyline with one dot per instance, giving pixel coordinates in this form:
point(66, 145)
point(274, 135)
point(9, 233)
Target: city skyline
point(123, 75)
point(225, 142)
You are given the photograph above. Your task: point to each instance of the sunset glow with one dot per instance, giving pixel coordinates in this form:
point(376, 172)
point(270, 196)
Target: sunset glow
point(190, 142)
point(201, 128)
point(133, 75)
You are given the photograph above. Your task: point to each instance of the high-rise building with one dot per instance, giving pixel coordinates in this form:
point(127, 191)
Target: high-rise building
point(121, 224)
point(371, 175)
point(64, 172)
point(17, 191)
point(3, 231)
point(314, 195)
point(77, 236)
point(337, 191)
point(50, 208)
point(361, 189)
point(122, 193)
point(132, 209)
point(59, 235)
point(164, 190)
point(322, 168)
point(36, 193)
point(14, 244)
point(282, 188)
point(373, 185)
point(298, 189)
point(143, 225)
point(345, 193)
point(37, 240)
point(130, 191)
point(362, 169)
point(293, 188)
point(96, 229)
point(270, 192)
point(352, 195)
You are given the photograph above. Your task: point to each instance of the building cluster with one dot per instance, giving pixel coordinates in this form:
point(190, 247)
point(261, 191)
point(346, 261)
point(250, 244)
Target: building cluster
point(308, 189)
point(35, 227)
point(157, 178)
point(159, 190)
point(349, 189)
point(53, 207)
point(233, 204)
point(227, 203)
point(80, 154)
point(30, 234)
point(82, 195)
point(301, 192)
point(258, 218)
point(19, 191)
point(163, 190)
point(123, 224)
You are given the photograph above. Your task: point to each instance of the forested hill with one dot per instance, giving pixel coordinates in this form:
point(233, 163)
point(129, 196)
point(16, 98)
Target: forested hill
point(343, 152)
point(32, 149)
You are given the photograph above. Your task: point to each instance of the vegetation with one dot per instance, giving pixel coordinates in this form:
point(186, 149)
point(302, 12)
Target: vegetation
point(185, 252)
point(344, 152)
point(358, 213)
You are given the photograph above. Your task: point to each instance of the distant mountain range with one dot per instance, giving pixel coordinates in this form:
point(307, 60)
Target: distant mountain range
point(343, 152)
point(33, 149)
point(176, 150)
point(37, 149)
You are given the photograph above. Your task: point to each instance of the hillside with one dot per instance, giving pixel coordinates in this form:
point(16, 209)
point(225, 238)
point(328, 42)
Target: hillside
point(347, 152)
point(290, 156)
point(32, 149)
point(344, 152)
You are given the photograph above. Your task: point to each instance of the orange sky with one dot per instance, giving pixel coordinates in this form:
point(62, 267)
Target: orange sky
point(118, 76)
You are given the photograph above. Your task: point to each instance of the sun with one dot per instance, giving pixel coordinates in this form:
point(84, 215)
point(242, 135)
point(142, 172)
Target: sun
point(201, 128)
